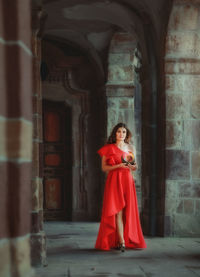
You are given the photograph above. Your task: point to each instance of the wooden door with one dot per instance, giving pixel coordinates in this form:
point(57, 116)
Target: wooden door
point(57, 161)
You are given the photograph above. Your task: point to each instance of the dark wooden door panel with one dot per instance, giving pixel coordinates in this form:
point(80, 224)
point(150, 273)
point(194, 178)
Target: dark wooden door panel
point(57, 169)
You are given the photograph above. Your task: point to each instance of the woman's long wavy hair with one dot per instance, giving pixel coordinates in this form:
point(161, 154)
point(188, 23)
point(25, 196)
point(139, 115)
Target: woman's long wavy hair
point(112, 137)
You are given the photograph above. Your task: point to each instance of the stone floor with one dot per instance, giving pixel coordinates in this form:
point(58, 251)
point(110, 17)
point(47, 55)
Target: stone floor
point(71, 253)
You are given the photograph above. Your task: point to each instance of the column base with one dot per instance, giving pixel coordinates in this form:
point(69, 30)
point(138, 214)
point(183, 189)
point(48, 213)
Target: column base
point(38, 249)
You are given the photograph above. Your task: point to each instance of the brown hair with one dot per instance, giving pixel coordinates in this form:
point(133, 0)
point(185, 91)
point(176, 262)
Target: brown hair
point(112, 137)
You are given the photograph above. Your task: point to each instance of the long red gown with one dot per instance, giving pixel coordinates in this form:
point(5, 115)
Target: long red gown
point(119, 193)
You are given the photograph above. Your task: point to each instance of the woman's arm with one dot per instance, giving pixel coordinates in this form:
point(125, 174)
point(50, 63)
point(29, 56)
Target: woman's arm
point(107, 168)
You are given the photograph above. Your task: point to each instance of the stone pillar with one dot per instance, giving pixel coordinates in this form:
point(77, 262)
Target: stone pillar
point(182, 70)
point(16, 138)
point(38, 248)
point(120, 92)
point(120, 84)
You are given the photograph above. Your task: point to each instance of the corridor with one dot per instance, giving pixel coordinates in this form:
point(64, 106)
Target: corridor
point(70, 252)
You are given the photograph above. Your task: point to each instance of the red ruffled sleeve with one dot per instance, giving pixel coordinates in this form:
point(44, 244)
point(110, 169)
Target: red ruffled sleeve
point(109, 152)
point(104, 151)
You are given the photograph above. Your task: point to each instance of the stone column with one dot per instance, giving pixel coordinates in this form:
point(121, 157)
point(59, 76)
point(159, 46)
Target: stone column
point(38, 248)
point(16, 138)
point(120, 92)
point(120, 84)
point(182, 70)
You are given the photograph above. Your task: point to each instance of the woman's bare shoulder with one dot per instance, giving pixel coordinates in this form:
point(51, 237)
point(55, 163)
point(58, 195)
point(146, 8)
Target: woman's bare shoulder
point(131, 147)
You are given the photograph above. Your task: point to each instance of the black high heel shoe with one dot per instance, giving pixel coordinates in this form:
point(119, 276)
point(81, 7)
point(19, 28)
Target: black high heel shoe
point(121, 247)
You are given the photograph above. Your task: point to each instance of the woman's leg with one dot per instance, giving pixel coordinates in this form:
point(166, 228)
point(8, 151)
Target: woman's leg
point(120, 226)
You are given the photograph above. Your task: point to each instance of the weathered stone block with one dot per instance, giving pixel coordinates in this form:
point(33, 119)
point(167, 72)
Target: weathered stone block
point(174, 134)
point(196, 165)
point(195, 105)
point(15, 142)
point(184, 17)
point(20, 84)
point(195, 189)
point(186, 225)
point(197, 207)
point(36, 221)
point(38, 249)
point(177, 106)
point(170, 206)
point(185, 189)
point(177, 164)
point(183, 44)
point(128, 118)
point(123, 43)
point(195, 134)
point(182, 83)
point(126, 103)
point(112, 103)
point(113, 119)
point(5, 261)
point(122, 59)
point(182, 66)
point(20, 248)
point(120, 91)
point(182, 189)
point(19, 187)
point(187, 134)
point(118, 74)
point(188, 206)
point(172, 189)
point(179, 208)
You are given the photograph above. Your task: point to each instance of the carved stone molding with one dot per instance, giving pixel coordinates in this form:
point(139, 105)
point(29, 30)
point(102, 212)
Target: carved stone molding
point(38, 21)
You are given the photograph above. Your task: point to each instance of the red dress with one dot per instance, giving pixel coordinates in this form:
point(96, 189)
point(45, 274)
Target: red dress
point(119, 193)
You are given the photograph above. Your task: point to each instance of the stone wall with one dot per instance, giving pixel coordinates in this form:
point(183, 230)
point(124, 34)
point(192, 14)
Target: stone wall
point(15, 139)
point(182, 69)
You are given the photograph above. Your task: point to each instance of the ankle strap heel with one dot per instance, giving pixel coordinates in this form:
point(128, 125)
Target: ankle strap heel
point(122, 247)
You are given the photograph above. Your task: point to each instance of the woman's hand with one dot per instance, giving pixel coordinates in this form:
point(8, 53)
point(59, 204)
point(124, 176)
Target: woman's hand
point(123, 165)
point(133, 167)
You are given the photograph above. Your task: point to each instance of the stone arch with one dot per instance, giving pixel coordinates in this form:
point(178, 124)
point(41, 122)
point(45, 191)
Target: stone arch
point(182, 120)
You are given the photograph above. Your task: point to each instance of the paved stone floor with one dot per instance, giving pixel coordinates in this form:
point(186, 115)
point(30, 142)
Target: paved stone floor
point(70, 252)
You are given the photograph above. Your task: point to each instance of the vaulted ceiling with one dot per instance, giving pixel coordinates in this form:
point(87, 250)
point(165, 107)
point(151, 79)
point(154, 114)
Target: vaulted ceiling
point(88, 25)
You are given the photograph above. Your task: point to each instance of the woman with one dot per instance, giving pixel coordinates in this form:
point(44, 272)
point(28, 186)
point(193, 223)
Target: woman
point(120, 223)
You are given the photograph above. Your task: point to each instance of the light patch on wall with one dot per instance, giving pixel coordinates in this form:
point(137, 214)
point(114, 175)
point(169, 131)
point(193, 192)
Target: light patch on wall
point(100, 40)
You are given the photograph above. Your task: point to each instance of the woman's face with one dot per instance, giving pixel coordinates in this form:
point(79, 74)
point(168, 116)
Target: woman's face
point(120, 134)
